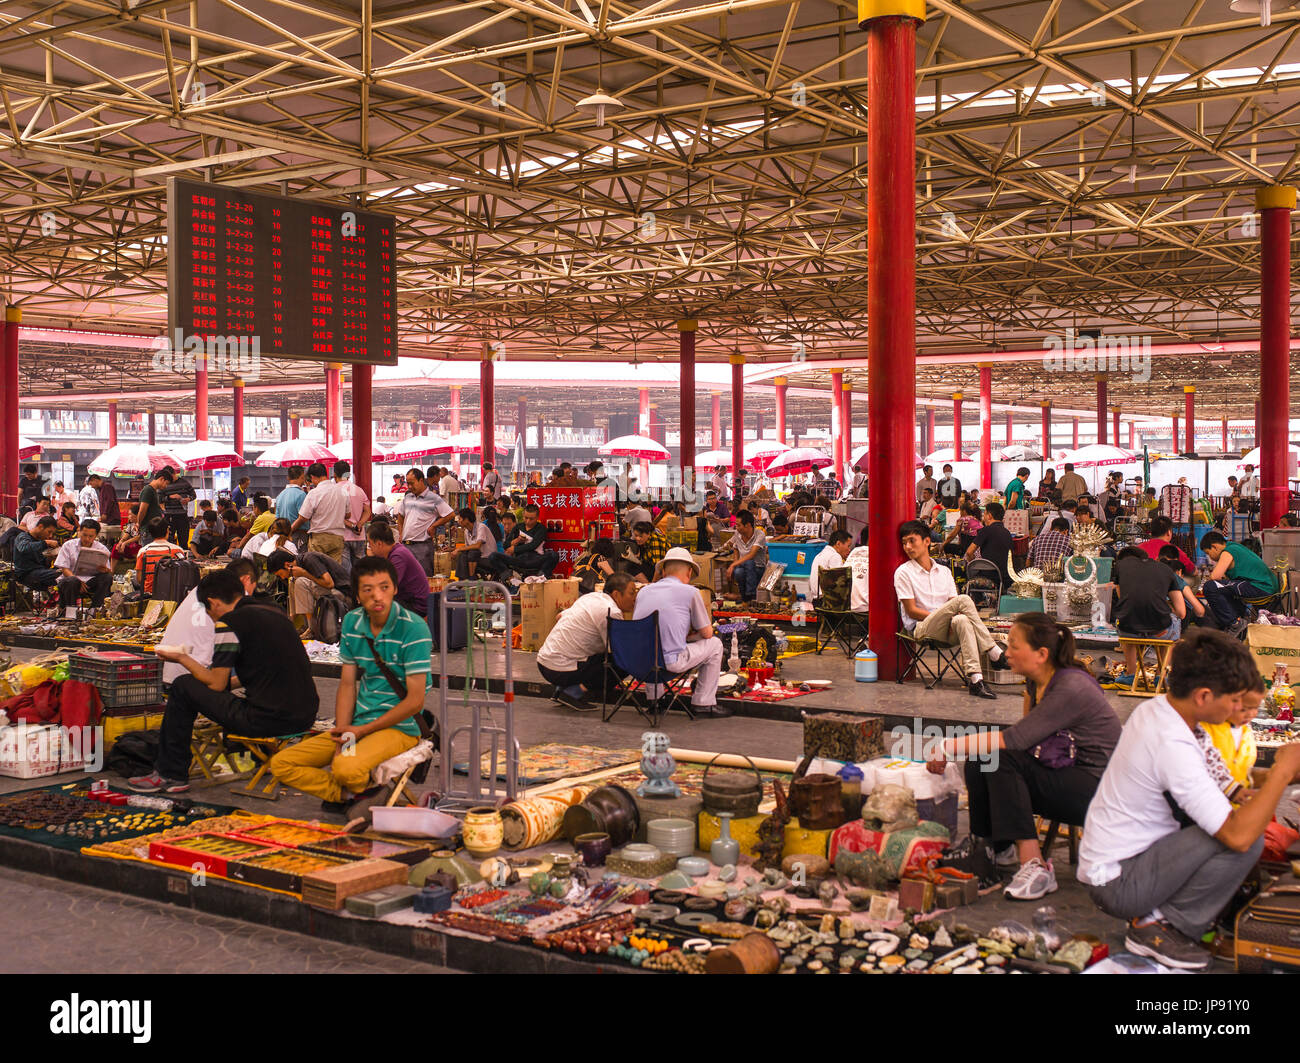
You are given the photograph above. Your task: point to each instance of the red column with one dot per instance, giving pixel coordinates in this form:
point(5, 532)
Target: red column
point(1174, 446)
point(717, 421)
point(362, 427)
point(782, 385)
point(891, 300)
point(1132, 436)
point(846, 422)
point(1189, 400)
point(929, 430)
point(1046, 445)
point(1101, 407)
point(1076, 433)
point(333, 403)
point(986, 425)
point(1258, 424)
point(1011, 429)
point(686, 397)
point(284, 423)
point(9, 412)
point(837, 420)
point(643, 429)
point(737, 411)
point(453, 418)
point(153, 428)
point(487, 405)
point(201, 396)
point(1224, 448)
point(237, 410)
point(112, 423)
point(521, 419)
point(1275, 204)
point(293, 426)
point(956, 423)
point(1114, 424)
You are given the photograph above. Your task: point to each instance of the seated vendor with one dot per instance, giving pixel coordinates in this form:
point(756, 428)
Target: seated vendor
point(573, 655)
point(1229, 747)
point(1196, 613)
point(385, 650)
point(258, 644)
point(713, 519)
point(1162, 846)
point(1050, 547)
point(31, 566)
point(310, 577)
point(932, 608)
point(84, 564)
point(685, 628)
point(1027, 770)
point(412, 583)
point(158, 547)
point(1239, 573)
point(929, 504)
point(651, 546)
point(832, 555)
point(475, 557)
point(749, 544)
point(1150, 603)
point(208, 540)
point(1162, 535)
point(526, 552)
point(993, 542)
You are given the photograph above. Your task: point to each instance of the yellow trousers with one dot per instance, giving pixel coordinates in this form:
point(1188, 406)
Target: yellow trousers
point(319, 766)
point(326, 543)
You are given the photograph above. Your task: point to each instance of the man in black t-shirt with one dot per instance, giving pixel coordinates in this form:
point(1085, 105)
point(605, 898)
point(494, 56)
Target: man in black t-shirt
point(312, 575)
point(259, 644)
point(527, 554)
point(1150, 603)
point(993, 541)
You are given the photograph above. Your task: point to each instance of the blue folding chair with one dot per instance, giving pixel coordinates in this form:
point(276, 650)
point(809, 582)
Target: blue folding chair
point(636, 652)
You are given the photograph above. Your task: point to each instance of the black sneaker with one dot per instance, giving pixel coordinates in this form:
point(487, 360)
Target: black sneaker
point(334, 808)
point(572, 702)
point(1001, 664)
point(1238, 628)
point(1168, 945)
point(715, 712)
point(980, 689)
point(972, 857)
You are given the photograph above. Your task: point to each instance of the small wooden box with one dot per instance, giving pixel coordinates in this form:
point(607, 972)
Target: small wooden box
point(843, 736)
point(331, 888)
point(915, 893)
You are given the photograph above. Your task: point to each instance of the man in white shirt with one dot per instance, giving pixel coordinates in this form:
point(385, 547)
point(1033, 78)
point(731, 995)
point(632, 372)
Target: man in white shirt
point(449, 485)
point(635, 514)
point(573, 655)
point(325, 508)
point(1162, 846)
point(832, 555)
point(719, 483)
point(750, 545)
point(1249, 485)
point(419, 512)
point(491, 482)
point(685, 629)
point(859, 488)
point(193, 629)
point(474, 557)
point(85, 563)
point(43, 509)
point(88, 498)
point(927, 480)
point(932, 608)
point(928, 505)
point(355, 517)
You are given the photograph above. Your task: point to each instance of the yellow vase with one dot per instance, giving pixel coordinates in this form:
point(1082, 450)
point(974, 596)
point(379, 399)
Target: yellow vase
point(483, 831)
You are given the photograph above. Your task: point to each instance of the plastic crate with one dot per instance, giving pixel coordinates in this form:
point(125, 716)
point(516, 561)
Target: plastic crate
point(124, 680)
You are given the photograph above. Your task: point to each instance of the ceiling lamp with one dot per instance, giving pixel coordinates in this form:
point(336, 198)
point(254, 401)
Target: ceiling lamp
point(1263, 8)
point(597, 103)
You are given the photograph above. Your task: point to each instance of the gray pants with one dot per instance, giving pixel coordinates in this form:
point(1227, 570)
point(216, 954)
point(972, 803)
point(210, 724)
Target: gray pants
point(1188, 875)
point(423, 552)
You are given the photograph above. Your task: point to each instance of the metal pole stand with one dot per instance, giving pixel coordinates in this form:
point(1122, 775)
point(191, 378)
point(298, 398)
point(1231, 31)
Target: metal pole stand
point(484, 600)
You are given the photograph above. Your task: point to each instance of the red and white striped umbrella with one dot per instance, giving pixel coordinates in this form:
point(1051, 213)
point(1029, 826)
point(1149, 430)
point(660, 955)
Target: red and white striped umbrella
point(294, 452)
point(27, 449)
point(421, 446)
point(134, 459)
point(635, 447)
point(711, 459)
point(208, 454)
point(343, 452)
point(796, 461)
point(860, 455)
point(761, 452)
point(1095, 454)
point(472, 443)
point(1251, 457)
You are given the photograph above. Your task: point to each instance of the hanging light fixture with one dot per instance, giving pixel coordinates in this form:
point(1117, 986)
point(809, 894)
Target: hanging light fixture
point(1132, 163)
point(598, 102)
point(1263, 8)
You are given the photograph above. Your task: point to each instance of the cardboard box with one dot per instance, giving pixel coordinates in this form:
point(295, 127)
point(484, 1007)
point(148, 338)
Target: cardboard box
point(1272, 645)
point(711, 571)
point(31, 751)
point(442, 562)
point(1016, 521)
point(539, 604)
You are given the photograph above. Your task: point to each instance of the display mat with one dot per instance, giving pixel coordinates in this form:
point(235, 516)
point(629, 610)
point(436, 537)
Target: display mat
point(690, 777)
point(103, 823)
point(552, 761)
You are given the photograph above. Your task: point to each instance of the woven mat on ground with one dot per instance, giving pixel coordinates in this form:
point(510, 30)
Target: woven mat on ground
point(690, 777)
point(106, 823)
point(556, 760)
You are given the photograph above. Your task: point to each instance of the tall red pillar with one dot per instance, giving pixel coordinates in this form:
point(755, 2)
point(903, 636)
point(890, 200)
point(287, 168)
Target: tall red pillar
point(846, 424)
point(1046, 446)
point(929, 430)
point(152, 418)
point(1258, 425)
point(293, 426)
point(201, 396)
point(782, 385)
point(237, 410)
point(1224, 448)
point(521, 419)
point(284, 423)
point(837, 420)
point(643, 429)
point(1114, 424)
point(333, 403)
point(1274, 204)
point(112, 423)
point(1101, 407)
point(986, 426)
point(956, 423)
point(891, 300)
point(487, 405)
point(686, 400)
point(1173, 448)
point(1076, 433)
point(737, 411)
point(1132, 436)
point(1011, 429)
point(1189, 400)
point(362, 427)
point(9, 411)
point(453, 422)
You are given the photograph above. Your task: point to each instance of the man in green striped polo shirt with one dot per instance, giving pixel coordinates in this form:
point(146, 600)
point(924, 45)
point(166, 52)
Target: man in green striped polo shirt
point(1239, 573)
point(385, 649)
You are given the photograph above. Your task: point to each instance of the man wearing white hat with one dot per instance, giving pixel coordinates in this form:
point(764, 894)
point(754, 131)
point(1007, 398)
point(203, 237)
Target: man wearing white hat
point(685, 627)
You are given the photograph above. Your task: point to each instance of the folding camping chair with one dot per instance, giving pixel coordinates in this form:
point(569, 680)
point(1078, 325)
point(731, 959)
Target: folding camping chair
point(844, 627)
point(914, 649)
point(636, 653)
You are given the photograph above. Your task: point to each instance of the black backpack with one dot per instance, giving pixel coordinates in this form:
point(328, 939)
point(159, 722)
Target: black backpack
point(174, 577)
point(133, 754)
point(326, 622)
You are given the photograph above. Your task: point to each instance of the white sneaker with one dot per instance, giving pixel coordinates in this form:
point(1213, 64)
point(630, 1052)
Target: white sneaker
point(1008, 857)
point(1033, 881)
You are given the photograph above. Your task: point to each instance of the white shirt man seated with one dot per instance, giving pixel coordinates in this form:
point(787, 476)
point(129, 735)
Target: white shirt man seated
point(835, 555)
point(932, 608)
point(685, 628)
point(573, 655)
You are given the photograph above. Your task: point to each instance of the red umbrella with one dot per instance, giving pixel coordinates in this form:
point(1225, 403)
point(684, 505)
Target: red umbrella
point(635, 447)
point(207, 454)
point(472, 443)
point(796, 461)
point(294, 452)
point(343, 451)
point(133, 459)
point(421, 446)
point(27, 449)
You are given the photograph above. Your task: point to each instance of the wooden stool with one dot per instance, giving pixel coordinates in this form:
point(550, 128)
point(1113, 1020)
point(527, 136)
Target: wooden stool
point(207, 748)
point(1073, 832)
point(1141, 688)
point(262, 750)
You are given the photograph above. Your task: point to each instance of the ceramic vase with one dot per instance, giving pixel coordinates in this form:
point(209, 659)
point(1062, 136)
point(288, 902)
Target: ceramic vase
point(725, 850)
point(483, 831)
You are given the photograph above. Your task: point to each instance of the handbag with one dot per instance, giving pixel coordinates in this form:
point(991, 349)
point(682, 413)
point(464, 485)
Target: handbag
point(424, 719)
point(1056, 751)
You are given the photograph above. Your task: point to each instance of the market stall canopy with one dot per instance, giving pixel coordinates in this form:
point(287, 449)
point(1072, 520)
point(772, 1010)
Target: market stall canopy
point(796, 461)
point(945, 454)
point(416, 447)
point(761, 452)
point(294, 452)
point(207, 454)
point(343, 452)
point(27, 449)
point(1019, 452)
point(642, 447)
point(134, 459)
point(711, 459)
point(1251, 457)
point(471, 443)
point(1098, 454)
point(860, 454)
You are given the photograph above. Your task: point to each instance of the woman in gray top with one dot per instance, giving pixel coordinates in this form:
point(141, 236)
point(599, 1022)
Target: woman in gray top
point(1049, 763)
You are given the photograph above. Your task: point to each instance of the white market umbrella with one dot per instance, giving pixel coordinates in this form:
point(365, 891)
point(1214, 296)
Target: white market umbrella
point(641, 447)
point(796, 461)
point(945, 454)
point(1095, 454)
point(472, 443)
point(343, 452)
point(860, 454)
point(761, 452)
point(1019, 452)
point(711, 459)
point(416, 447)
point(207, 454)
point(294, 452)
point(134, 459)
point(27, 448)
point(1251, 457)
